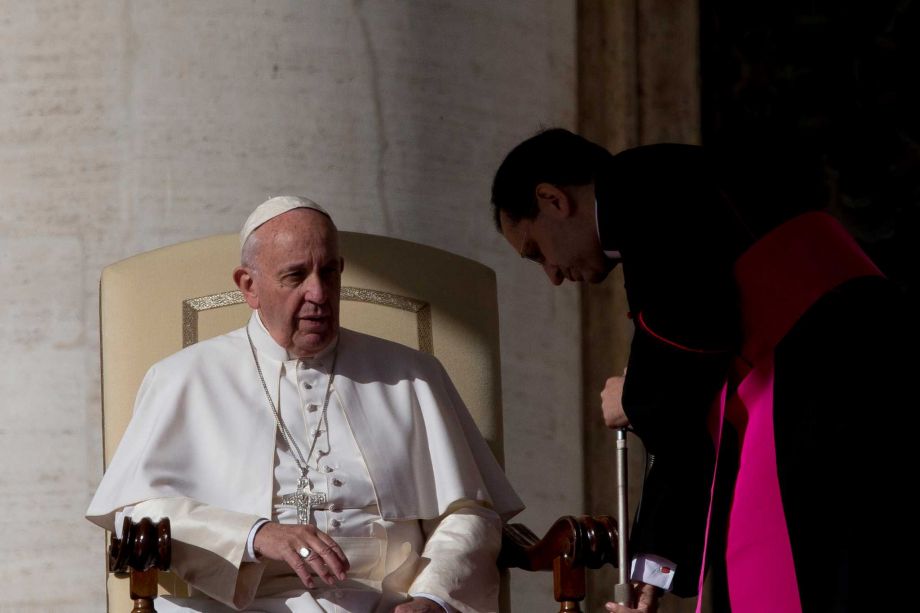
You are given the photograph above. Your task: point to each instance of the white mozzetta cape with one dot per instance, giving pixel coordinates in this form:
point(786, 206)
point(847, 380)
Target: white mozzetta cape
point(202, 429)
point(201, 448)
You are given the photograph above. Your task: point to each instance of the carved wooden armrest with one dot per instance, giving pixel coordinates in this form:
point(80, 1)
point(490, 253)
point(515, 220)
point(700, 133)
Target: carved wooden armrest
point(143, 548)
point(569, 547)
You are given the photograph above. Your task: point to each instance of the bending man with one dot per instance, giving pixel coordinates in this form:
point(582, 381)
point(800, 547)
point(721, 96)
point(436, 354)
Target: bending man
point(758, 327)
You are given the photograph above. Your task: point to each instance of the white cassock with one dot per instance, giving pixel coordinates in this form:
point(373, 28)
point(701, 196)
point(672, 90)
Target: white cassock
point(413, 494)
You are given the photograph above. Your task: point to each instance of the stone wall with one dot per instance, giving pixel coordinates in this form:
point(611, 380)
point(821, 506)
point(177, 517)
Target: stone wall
point(125, 126)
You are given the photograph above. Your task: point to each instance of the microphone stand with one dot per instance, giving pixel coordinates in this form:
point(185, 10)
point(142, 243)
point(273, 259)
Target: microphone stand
point(622, 591)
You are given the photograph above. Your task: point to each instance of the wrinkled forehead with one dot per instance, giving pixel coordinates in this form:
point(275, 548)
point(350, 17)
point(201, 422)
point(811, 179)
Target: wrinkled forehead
point(297, 233)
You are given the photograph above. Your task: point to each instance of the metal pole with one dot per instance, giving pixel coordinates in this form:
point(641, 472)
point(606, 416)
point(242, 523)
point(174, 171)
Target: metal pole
point(622, 591)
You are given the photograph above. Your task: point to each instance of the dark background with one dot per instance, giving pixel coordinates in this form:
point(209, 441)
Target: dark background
point(817, 105)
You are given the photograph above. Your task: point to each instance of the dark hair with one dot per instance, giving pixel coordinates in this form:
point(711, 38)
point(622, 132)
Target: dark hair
point(554, 156)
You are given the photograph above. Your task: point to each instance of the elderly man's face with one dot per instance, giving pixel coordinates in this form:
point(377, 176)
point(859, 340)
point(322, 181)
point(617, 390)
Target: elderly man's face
point(294, 280)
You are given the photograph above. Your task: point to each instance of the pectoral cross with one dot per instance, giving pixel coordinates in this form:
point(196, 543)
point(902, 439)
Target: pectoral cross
point(303, 499)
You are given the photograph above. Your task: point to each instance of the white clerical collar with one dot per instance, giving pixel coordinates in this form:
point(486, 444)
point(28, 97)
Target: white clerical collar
point(268, 346)
point(612, 254)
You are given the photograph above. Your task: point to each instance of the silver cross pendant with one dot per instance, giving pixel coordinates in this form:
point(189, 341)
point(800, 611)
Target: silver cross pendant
point(303, 500)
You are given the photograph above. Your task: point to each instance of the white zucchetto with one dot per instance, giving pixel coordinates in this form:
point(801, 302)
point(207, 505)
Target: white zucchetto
point(273, 207)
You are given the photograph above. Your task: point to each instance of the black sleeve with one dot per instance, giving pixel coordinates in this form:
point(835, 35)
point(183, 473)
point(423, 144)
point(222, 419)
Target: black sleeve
point(667, 397)
point(669, 391)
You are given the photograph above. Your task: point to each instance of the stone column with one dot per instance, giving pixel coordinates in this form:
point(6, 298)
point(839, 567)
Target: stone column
point(638, 83)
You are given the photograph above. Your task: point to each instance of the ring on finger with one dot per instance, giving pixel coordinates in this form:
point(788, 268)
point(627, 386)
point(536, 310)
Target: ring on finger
point(304, 552)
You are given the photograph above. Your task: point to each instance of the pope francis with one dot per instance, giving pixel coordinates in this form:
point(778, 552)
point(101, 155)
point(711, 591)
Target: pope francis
point(306, 467)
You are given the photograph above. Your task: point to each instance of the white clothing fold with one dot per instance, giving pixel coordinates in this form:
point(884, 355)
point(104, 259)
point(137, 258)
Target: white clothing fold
point(202, 437)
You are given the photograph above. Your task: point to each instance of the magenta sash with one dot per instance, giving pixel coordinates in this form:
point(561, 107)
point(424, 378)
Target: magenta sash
point(779, 278)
